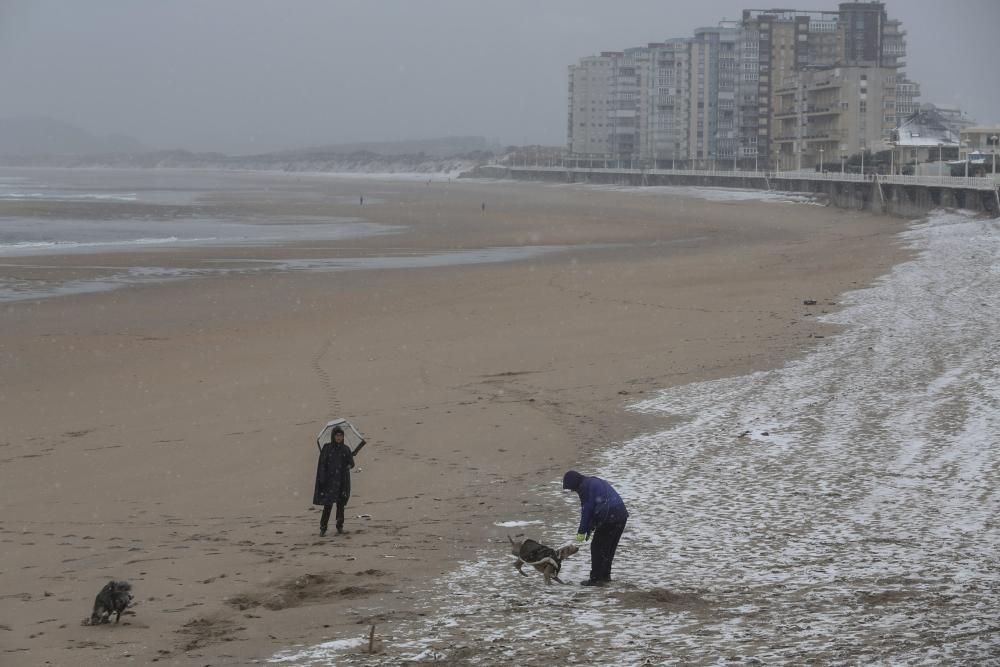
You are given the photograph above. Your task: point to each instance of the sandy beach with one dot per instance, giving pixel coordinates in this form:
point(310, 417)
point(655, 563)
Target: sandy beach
point(164, 432)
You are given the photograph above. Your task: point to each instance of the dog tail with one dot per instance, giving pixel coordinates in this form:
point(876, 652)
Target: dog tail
point(510, 539)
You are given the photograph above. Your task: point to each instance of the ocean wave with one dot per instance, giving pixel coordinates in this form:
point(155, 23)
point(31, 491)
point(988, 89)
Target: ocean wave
point(70, 245)
point(50, 196)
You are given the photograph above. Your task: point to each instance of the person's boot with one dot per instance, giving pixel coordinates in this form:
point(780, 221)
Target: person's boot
point(322, 531)
point(591, 582)
point(340, 529)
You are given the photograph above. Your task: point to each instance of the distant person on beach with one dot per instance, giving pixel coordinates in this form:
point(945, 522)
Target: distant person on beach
point(362, 202)
point(603, 513)
point(484, 207)
point(333, 479)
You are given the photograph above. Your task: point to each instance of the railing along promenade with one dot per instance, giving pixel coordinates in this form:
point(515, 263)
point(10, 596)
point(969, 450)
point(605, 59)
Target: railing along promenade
point(887, 193)
point(970, 182)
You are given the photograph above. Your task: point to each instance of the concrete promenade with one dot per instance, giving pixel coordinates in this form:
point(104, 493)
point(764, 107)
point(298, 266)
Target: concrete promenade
point(895, 195)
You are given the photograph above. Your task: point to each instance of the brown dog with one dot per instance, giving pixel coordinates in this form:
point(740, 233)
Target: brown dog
point(545, 559)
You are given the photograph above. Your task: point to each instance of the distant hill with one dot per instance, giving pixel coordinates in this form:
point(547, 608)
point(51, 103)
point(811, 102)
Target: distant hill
point(28, 136)
point(443, 147)
point(360, 162)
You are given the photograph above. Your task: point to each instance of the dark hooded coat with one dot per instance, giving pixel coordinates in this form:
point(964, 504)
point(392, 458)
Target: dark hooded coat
point(333, 474)
point(599, 502)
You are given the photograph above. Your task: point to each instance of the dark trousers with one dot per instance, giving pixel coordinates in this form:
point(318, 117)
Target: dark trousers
point(324, 519)
point(602, 549)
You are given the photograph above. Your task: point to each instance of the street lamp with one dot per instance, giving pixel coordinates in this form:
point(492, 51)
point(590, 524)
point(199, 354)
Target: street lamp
point(821, 169)
point(995, 140)
point(893, 145)
point(966, 145)
point(843, 157)
point(941, 161)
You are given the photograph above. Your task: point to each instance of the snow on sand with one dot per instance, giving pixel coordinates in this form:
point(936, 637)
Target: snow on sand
point(862, 528)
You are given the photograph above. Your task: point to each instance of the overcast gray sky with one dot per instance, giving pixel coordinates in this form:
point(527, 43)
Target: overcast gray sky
point(254, 75)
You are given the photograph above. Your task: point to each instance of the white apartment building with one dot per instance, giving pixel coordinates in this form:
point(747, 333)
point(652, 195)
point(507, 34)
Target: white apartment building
point(604, 98)
point(589, 102)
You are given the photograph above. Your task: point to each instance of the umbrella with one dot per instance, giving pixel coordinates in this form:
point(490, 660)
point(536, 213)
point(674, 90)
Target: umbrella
point(352, 437)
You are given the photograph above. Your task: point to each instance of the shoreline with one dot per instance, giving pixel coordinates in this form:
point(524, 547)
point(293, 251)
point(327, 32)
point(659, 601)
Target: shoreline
point(540, 350)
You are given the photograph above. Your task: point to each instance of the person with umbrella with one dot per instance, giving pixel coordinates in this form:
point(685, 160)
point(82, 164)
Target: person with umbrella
point(333, 478)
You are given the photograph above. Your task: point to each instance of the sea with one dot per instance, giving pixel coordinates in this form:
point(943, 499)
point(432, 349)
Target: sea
point(81, 212)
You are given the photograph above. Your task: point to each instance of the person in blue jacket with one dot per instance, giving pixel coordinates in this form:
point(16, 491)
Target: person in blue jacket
point(603, 513)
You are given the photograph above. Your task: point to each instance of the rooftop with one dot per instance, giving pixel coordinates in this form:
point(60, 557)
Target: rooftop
point(925, 128)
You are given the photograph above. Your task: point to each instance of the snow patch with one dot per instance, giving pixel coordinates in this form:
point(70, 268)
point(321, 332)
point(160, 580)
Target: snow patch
point(517, 524)
point(861, 530)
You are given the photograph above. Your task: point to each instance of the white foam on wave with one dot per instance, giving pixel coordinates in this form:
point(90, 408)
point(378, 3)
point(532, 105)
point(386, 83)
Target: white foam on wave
point(53, 196)
point(58, 246)
point(861, 530)
point(26, 236)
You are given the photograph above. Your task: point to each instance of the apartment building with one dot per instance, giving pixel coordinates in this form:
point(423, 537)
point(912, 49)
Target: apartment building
point(715, 130)
point(589, 101)
point(847, 63)
point(894, 56)
point(604, 96)
point(787, 40)
point(665, 106)
point(825, 114)
point(711, 99)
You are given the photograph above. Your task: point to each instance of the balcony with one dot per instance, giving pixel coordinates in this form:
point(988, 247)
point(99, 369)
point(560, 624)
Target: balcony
point(821, 85)
point(819, 136)
point(822, 110)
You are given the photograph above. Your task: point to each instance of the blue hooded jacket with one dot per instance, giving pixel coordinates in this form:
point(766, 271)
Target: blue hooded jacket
point(599, 502)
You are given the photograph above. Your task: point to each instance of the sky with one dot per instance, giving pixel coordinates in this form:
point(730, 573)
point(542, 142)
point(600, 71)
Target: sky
point(244, 76)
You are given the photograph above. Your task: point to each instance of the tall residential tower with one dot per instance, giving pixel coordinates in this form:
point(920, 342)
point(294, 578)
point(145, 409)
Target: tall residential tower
point(778, 89)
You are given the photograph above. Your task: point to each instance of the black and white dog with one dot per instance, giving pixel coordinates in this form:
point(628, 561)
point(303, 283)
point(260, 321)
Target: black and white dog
point(545, 559)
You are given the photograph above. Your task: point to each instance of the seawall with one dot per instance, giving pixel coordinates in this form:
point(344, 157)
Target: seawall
point(905, 196)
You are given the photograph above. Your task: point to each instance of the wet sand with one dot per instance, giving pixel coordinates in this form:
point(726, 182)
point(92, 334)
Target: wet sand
point(164, 433)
